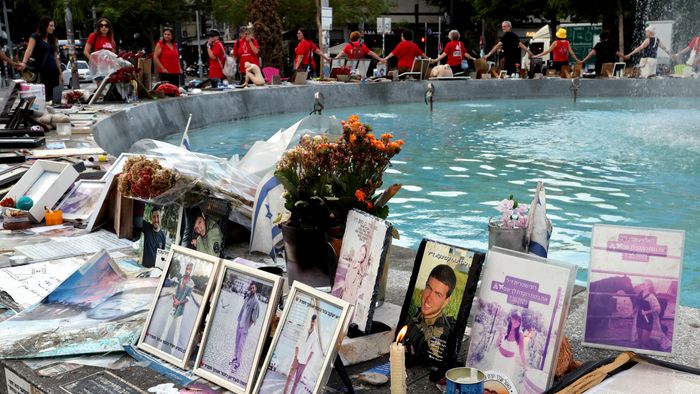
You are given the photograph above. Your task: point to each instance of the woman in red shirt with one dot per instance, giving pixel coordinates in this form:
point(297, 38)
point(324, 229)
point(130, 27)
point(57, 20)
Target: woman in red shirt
point(304, 59)
point(455, 51)
point(406, 52)
point(167, 58)
point(101, 38)
point(356, 50)
point(560, 51)
point(246, 49)
point(217, 57)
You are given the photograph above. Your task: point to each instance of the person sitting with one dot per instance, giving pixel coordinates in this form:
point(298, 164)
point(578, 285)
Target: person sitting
point(253, 74)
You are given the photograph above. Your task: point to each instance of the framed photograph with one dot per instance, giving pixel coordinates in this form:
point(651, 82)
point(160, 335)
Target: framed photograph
point(245, 299)
point(365, 244)
point(438, 301)
point(45, 182)
point(117, 167)
point(12, 172)
point(160, 224)
point(98, 213)
point(619, 69)
point(519, 320)
point(179, 305)
point(202, 231)
point(302, 352)
point(80, 202)
point(634, 279)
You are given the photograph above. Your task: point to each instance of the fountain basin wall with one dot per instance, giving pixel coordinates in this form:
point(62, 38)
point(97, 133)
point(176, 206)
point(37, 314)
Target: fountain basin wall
point(154, 119)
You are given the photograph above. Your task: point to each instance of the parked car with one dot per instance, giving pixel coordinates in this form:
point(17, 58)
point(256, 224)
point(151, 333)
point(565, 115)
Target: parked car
point(83, 72)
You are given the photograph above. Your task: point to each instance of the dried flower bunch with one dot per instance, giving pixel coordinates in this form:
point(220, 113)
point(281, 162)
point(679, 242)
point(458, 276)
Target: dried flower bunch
point(324, 180)
point(145, 178)
point(513, 214)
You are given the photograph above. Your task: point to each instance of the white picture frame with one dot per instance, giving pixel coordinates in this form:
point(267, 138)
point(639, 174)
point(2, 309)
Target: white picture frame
point(117, 167)
point(194, 295)
point(81, 201)
point(45, 182)
point(221, 333)
point(331, 321)
point(109, 184)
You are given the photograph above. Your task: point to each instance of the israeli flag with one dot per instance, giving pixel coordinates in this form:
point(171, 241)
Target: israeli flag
point(539, 228)
point(185, 143)
point(269, 204)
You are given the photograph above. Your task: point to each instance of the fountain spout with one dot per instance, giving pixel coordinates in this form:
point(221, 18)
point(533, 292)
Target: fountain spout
point(429, 93)
point(319, 101)
point(575, 85)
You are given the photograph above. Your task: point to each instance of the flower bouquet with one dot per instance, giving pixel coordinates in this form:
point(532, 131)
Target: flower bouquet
point(510, 230)
point(325, 179)
point(147, 180)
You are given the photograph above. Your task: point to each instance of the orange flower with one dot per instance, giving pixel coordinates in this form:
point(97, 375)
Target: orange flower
point(379, 145)
point(387, 136)
point(353, 138)
point(360, 195)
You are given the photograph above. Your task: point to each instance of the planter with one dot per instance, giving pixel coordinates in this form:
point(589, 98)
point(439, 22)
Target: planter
point(508, 238)
point(309, 256)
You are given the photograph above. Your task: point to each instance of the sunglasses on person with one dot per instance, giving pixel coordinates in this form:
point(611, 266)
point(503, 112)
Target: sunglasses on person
point(104, 25)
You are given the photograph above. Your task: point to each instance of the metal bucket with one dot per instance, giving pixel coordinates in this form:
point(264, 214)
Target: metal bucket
point(507, 238)
point(465, 380)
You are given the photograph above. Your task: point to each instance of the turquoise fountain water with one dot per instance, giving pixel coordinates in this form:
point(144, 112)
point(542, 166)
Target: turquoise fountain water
point(623, 161)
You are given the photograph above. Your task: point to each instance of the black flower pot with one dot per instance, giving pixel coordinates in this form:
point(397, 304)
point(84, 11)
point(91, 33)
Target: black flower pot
point(310, 257)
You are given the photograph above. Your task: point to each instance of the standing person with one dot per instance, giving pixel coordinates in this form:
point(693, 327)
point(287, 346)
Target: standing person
point(42, 48)
point(406, 51)
point(183, 290)
point(217, 57)
point(511, 353)
point(304, 54)
point(246, 49)
point(153, 239)
point(561, 50)
point(511, 47)
point(303, 351)
point(648, 48)
point(455, 51)
point(101, 38)
point(167, 58)
point(357, 50)
point(694, 57)
point(647, 310)
point(250, 311)
point(604, 52)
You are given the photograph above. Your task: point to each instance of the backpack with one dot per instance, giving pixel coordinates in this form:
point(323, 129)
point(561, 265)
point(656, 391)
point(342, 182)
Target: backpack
point(356, 52)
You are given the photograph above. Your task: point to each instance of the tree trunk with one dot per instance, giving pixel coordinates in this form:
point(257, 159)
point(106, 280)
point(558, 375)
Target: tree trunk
point(267, 30)
point(620, 27)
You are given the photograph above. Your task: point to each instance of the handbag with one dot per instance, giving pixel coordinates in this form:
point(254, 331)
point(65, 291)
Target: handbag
point(229, 68)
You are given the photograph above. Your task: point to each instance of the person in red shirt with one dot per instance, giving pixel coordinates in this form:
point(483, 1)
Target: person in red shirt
point(167, 58)
point(560, 49)
point(246, 49)
point(694, 49)
point(406, 51)
point(455, 51)
point(304, 59)
point(357, 50)
point(217, 57)
point(101, 38)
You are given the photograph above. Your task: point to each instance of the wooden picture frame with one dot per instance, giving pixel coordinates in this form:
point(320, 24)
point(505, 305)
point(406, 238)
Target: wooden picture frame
point(44, 182)
point(225, 327)
point(431, 270)
point(313, 319)
point(192, 294)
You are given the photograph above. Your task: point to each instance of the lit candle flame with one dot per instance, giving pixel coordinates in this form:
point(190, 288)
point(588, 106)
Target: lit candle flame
point(401, 334)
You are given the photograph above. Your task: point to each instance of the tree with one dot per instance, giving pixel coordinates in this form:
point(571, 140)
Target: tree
point(267, 28)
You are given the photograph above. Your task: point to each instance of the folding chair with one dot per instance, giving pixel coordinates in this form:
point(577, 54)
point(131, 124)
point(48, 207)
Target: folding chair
point(359, 66)
point(423, 65)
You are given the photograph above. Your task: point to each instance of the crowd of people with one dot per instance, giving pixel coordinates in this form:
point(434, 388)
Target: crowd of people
point(40, 61)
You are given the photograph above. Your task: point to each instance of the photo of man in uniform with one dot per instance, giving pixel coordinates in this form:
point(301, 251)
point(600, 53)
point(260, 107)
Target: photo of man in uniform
point(201, 232)
point(246, 318)
point(153, 238)
point(430, 328)
point(303, 352)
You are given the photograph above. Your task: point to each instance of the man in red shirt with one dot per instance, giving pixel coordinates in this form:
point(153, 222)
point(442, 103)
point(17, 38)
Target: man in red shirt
point(406, 52)
point(215, 50)
point(246, 49)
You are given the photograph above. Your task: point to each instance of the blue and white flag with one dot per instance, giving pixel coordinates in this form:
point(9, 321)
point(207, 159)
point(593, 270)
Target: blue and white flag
point(185, 136)
point(539, 228)
point(269, 204)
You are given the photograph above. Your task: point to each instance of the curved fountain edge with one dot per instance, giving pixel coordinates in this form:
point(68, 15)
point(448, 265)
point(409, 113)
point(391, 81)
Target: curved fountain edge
point(116, 133)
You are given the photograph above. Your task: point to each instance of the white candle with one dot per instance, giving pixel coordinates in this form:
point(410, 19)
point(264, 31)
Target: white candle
point(397, 360)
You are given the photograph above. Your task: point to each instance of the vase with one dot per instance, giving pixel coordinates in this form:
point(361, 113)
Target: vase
point(309, 256)
point(507, 238)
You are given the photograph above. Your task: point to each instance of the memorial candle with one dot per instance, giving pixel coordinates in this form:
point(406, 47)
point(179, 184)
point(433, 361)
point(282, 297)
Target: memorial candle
point(397, 359)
